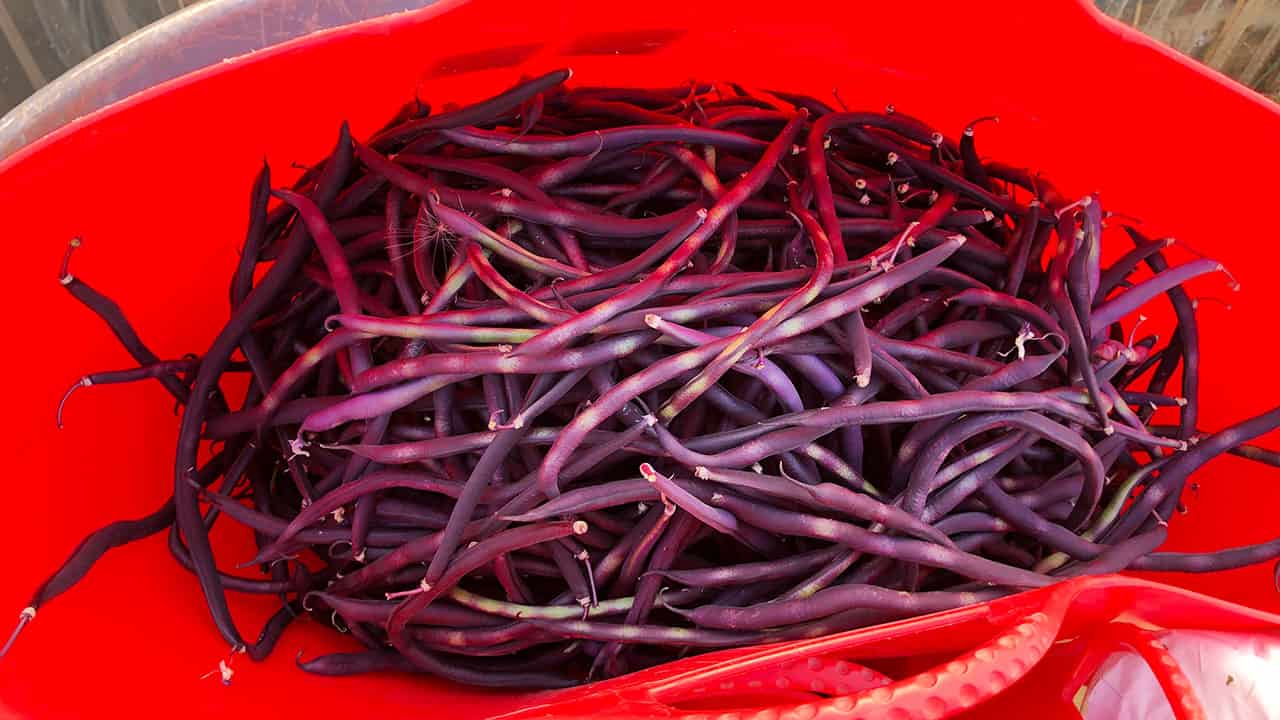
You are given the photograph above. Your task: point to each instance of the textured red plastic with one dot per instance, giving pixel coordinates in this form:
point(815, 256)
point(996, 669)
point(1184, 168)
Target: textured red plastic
point(1030, 650)
point(1098, 644)
point(157, 187)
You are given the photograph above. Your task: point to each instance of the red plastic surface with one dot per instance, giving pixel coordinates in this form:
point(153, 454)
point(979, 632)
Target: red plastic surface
point(157, 187)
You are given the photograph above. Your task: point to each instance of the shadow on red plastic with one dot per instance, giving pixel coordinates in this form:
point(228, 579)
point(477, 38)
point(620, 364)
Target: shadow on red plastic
point(487, 59)
point(626, 42)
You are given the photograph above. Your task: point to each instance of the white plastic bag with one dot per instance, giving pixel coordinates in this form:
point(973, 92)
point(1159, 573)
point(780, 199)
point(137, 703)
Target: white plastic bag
point(1236, 676)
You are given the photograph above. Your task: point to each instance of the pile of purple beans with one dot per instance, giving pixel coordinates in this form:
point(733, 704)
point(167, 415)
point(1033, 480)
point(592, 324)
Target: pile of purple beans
point(574, 381)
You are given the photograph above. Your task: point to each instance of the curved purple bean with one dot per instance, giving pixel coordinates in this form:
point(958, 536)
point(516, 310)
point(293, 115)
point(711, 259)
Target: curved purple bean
point(349, 492)
point(923, 481)
point(598, 141)
point(376, 403)
point(564, 333)
point(646, 634)
point(1133, 298)
point(934, 406)
point(826, 497)
point(481, 112)
point(1172, 476)
point(852, 536)
point(721, 520)
point(594, 497)
point(766, 371)
point(747, 339)
point(828, 602)
point(753, 572)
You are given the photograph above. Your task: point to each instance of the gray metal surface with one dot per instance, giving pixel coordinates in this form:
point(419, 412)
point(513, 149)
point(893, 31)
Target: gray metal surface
point(41, 39)
point(162, 40)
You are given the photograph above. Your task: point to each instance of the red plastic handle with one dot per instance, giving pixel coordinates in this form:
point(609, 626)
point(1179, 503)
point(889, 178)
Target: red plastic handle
point(811, 680)
point(940, 692)
point(1118, 636)
point(796, 680)
point(991, 646)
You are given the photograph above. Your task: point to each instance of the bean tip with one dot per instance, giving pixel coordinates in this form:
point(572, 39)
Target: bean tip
point(579, 527)
point(968, 130)
point(64, 273)
point(26, 616)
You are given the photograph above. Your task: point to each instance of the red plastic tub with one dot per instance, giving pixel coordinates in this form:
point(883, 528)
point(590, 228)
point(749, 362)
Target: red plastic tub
point(156, 185)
